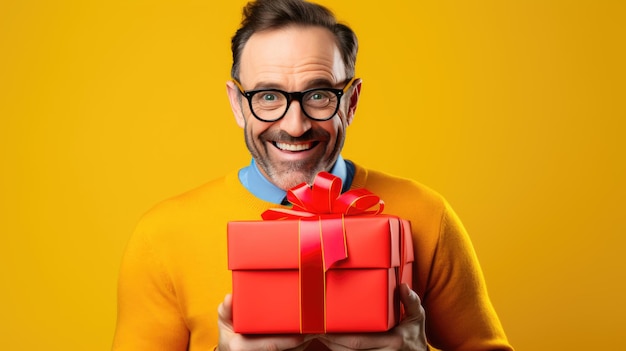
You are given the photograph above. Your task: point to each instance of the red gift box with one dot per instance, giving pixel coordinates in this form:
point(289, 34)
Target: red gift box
point(319, 270)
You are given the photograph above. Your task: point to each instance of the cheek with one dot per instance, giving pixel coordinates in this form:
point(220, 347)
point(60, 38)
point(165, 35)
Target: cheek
point(255, 128)
point(336, 128)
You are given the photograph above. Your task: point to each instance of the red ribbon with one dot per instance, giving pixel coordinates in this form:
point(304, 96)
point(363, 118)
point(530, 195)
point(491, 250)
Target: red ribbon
point(324, 197)
point(320, 209)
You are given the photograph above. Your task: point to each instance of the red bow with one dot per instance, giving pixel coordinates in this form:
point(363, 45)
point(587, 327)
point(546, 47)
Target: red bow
point(324, 197)
point(320, 209)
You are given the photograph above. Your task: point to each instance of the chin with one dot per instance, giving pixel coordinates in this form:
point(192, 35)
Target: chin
point(289, 179)
point(287, 182)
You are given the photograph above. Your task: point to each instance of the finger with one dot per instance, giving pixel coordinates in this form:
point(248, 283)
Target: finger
point(332, 346)
point(365, 341)
point(293, 342)
point(225, 310)
point(411, 302)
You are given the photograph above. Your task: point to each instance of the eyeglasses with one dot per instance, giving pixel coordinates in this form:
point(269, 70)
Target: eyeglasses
point(270, 105)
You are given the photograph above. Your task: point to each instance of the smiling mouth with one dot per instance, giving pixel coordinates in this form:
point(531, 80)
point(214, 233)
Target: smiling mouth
point(295, 147)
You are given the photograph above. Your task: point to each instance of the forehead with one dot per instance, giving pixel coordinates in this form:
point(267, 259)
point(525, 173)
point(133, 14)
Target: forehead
point(291, 56)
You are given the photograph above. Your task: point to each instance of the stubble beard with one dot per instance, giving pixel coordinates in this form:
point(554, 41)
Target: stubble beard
point(287, 174)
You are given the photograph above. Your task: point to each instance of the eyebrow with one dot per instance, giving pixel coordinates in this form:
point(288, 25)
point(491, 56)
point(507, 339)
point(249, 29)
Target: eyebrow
point(316, 83)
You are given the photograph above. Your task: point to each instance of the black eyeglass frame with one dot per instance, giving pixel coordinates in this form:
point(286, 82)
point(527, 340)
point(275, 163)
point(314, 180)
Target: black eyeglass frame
point(294, 95)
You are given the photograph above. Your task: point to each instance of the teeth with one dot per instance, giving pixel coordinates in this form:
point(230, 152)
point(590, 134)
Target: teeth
point(293, 147)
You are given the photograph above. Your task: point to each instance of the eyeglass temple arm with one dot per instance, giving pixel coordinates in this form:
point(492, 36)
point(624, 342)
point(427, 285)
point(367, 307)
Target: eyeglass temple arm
point(349, 84)
point(241, 90)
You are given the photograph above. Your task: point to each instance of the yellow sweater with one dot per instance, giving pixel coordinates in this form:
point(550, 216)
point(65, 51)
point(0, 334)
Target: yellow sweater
point(174, 273)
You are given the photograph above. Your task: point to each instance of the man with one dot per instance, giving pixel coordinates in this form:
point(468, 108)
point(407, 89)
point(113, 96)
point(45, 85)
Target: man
point(294, 94)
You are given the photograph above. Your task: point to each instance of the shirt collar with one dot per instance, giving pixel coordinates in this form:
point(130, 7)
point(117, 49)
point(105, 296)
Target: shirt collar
point(256, 183)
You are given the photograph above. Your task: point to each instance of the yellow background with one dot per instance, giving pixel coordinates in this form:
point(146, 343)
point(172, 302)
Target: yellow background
point(514, 110)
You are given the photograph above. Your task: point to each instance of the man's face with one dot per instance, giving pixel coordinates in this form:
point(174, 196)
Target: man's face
point(295, 148)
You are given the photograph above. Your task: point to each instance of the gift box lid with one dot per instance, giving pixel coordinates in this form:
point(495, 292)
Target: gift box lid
point(371, 241)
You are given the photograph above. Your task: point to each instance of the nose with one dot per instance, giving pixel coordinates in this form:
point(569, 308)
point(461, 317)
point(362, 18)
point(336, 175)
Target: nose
point(295, 122)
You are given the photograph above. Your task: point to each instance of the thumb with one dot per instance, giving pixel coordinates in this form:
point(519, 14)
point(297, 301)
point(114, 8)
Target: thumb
point(412, 305)
point(225, 310)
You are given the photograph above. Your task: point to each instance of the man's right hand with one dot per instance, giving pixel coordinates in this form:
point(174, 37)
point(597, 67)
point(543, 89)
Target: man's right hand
point(231, 341)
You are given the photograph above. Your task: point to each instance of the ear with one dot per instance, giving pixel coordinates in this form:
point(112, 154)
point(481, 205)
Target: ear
point(235, 98)
point(354, 99)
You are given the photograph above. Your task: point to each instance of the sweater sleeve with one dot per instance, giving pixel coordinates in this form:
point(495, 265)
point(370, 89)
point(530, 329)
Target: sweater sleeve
point(459, 313)
point(149, 317)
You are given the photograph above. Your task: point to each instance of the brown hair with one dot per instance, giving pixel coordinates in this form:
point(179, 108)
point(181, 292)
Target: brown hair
point(261, 15)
